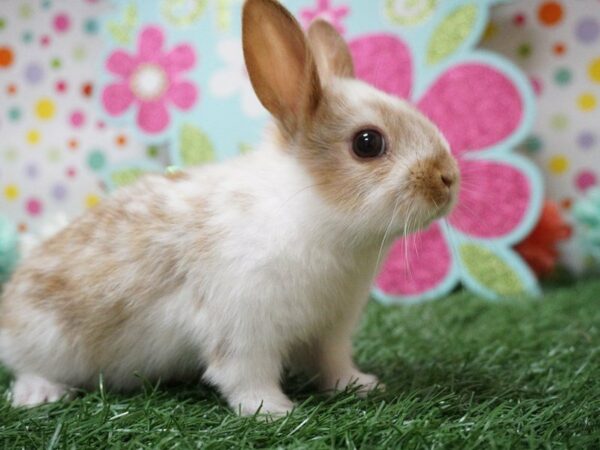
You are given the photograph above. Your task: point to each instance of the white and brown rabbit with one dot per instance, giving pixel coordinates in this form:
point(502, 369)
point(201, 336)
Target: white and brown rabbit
point(242, 269)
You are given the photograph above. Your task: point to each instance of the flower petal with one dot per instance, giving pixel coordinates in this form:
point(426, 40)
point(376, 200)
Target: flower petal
point(474, 105)
point(385, 62)
point(116, 98)
point(493, 200)
point(183, 94)
point(153, 117)
point(416, 265)
point(150, 43)
point(180, 59)
point(121, 63)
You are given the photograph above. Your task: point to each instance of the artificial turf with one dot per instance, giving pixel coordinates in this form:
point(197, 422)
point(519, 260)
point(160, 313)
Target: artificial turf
point(460, 373)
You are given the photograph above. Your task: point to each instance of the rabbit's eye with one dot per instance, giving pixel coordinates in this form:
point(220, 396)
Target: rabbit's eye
point(368, 144)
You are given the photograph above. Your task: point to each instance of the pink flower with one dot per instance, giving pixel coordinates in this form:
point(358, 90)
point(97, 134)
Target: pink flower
point(477, 107)
point(150, 79)
point(325, 10)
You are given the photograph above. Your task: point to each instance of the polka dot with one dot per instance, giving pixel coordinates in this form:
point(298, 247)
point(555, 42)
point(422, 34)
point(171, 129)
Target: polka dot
point(59, 192)
point(558, 164)
point(524, 50)
point(550, 13)
point(71, 172)
point(121, 140)
point(45, 41)
point(14, 114)
point(2, 23)
point(96, 160)
point(519, 19)
point(11, 192)
point(55, 63)
point(61, 22)
point(22, 227)
point(533, 144)
point(33, 137)
point(32, 171)
point(587, 30)
point(91, 200)
point(594, 70)
point(559, 122)
point(585, 180)
point(34, 73)
point(11, 154)
point(559, 48)
point(34, 206)
point(73, 144)
point(87, 89)
point(90, 26)
point(152, 151)
point(566, 203)
point(6, 57)
point(25, 11)
point(11, 89)
point(27, 37)
point(53, 155)
point(77, 119)
point(45, 109)
point(60, 86)
point(587, 102)
point(537, 86)
point(79, 53)
point(586, 140)
point(562, 76)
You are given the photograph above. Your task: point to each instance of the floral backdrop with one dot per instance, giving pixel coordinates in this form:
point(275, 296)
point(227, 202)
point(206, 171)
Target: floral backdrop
point(96, 92)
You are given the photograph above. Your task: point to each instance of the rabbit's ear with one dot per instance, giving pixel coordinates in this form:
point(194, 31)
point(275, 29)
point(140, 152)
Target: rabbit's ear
point(280, 63)
point(331, 51)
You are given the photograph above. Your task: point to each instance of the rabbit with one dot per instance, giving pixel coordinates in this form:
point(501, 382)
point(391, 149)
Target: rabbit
point(237, 271)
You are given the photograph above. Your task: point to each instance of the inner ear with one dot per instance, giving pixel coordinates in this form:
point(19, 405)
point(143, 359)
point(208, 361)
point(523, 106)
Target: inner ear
point(331, 51)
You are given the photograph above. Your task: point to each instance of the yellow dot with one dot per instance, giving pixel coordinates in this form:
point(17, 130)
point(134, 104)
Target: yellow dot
point(559, 164)
point(594, 70)
point(587, 102)
point(490, 32)
point(92, 200)
point(33, 137)
point(45, 109)
point(11, 192)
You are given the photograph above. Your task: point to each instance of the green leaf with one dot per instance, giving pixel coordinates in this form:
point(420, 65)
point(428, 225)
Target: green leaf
point(451, 33)
point(121, 31)
point(195, 146)
point(495, 272)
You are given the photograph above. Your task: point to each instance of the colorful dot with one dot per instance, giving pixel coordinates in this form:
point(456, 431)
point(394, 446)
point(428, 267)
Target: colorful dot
point(533, 144)
point(594, 70)
point(61, 22)
point(524, 50)
point(153, 151)
point(45, 41)
point(53, 155)
point(77, 119)
point(559, 121)
point(558, 164)
point(536, 84)
point(33, 137)
point(91, 200)
point(559, 48)
point(121, 140)
point(34, 206)
point(587, 102)
point(2, 23)
point(59, 192)
point(87, 89)
point(566, 203)
point(60, 86)
point(34, 73)
point(550, 13)
point(25, 11)
point(55, 63)
point(587, 30)
point(45, 109)
point(79, 53)
point(91, 26)
point(96, 160)
point(6, 57)
point(22, 227)
point(586, 140)
point(71, 172)
point(585, 180)
point(11, 154)
point(32, 170)
point(14, 114)
point(519, 19)
point(11, 89)
point(562, 76)
point(73, 144)
point(27, 37)
point(11, 192)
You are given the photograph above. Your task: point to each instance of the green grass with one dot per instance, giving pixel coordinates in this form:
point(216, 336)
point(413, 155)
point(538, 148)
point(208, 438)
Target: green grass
point(460, 373)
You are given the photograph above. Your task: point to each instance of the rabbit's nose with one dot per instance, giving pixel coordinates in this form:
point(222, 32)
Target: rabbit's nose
point(448, 179)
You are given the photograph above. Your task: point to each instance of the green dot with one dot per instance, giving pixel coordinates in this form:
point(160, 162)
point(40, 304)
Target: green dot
point(91, 26)
point(562, 76)
point(25, 11)
point(11, 154)
point(14, 114)
point(524, 50)
point(2, 23)
point(55, 63)
point(53, 155)
point(153, 151)
point(27, 37)
point(559, 121)
point(533, 144)
point(79, 53)
point(96, 160)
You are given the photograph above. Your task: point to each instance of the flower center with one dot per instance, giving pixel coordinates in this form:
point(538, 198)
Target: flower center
point(148, 82)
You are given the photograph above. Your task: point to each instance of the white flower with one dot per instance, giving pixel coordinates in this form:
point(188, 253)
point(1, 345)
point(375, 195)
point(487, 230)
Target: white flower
point(233, 78)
